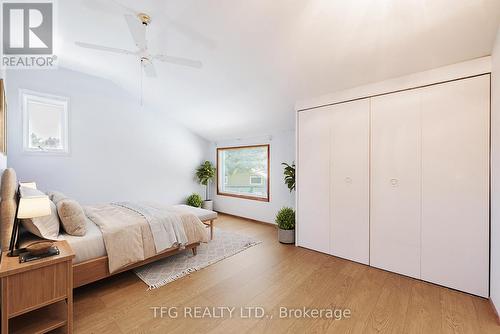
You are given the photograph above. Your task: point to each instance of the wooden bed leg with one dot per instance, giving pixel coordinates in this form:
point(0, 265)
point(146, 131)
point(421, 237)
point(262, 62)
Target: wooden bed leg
point(212, 229)
point(195, 251)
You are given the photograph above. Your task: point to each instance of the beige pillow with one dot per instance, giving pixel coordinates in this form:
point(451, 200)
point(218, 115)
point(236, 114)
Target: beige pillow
point(72, 217)
point(46, 227)
point(56, 196)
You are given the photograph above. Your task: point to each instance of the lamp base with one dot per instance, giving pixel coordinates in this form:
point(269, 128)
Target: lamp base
point(16, 252)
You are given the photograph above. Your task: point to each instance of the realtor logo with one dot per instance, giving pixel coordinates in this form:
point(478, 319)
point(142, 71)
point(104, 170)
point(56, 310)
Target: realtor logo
point(28, 34)
point(27, 28)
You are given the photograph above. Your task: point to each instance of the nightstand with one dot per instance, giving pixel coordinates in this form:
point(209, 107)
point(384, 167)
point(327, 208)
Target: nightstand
point(37, 296)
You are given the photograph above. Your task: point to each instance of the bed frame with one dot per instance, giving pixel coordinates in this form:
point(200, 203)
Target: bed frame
point(96, 269)
point(92, 270)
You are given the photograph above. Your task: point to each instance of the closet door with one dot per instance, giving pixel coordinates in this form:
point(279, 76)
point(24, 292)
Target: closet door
point(349, 166)
point(455, 207)
point(313, 184)
point(395, 183)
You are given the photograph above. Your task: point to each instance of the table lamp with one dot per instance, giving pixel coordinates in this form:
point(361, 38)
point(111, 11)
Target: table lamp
point(31, 204)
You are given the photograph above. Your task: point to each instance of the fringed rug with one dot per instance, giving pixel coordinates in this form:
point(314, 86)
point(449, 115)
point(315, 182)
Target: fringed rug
point(225, 244)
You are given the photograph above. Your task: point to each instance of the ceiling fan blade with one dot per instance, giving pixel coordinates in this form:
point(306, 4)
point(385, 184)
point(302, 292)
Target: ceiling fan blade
point(104, 48)
point(137, 30)
point(179, 61)
point(149, 68)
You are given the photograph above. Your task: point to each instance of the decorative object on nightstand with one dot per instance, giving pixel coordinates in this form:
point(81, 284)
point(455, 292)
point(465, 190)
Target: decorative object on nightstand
point(39, 250)
point(31, 204)
point(39, 247)
point(37, 297)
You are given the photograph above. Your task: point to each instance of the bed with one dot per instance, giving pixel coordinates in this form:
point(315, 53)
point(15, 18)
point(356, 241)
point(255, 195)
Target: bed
point(93, 260)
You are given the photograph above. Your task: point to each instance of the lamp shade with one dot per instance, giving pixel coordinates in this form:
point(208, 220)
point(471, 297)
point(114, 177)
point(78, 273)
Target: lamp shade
point(32, 203)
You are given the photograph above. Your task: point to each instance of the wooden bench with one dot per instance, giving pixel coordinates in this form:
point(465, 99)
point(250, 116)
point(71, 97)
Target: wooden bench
point(207, 217)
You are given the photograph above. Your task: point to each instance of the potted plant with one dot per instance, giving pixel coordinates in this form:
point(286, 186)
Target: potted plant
point(289, 173)
point(205, 174)
point(286, 225)
point(194, 200)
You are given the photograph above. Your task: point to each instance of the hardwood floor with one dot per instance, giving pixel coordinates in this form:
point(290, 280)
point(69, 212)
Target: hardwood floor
point(272, 275)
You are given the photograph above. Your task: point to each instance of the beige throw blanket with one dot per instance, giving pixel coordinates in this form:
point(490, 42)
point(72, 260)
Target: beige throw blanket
point(127, 234)
point(166, 226)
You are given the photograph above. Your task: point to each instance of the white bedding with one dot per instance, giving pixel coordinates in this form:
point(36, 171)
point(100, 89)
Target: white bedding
point(87, 247)
point(91, 245)
point(165, 223)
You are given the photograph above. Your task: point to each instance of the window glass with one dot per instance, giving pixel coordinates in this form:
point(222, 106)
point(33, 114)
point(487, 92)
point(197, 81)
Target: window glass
point(45, 123)
point(243, 172)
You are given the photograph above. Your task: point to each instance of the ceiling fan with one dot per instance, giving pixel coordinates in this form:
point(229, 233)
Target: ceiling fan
point(137, 25)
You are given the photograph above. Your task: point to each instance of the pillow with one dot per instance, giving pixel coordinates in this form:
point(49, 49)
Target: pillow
point(72, 217)
point(56, 196)
point(46, 227)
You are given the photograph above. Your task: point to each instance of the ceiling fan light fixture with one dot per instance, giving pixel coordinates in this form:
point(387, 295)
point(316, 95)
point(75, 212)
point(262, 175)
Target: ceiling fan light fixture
point(144, 18)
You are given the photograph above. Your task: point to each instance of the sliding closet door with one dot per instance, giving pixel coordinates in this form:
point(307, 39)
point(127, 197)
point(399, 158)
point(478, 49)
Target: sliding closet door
point(349, 165)
point(313, 184)
point(395, 180)
point(455, 207)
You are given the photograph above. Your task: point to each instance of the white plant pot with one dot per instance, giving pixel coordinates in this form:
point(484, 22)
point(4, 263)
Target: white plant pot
point(286, 236)
point(208, 205)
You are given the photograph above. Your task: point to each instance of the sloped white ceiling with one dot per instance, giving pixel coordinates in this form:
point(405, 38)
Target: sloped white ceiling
point(260, 56)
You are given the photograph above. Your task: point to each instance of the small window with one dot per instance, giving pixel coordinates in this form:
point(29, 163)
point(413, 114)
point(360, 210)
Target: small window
point(45, 119)
point(244, 172)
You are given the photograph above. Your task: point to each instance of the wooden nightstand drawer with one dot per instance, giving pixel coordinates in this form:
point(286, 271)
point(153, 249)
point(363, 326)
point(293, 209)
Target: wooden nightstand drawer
point(38, 287)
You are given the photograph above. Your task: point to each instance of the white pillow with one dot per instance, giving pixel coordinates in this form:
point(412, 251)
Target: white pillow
point(46, 227)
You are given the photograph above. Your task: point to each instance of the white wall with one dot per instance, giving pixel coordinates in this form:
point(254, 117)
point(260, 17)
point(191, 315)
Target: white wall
point(3, 162)
point(118, 150)
point(495, 176)
point(3, 157)
point(282, 150)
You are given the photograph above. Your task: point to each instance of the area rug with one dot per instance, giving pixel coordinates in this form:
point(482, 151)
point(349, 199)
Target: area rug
point(224, 245)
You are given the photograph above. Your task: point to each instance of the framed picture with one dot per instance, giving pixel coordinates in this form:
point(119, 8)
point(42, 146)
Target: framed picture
point(3, 119)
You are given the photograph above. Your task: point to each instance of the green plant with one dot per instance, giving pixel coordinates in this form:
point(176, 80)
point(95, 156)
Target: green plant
point(205, 173)
point(286, 219)
point(194, 200)
point(289, 173)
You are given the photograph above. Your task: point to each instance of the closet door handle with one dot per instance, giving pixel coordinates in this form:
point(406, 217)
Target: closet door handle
point(348, 180)
point(394, 182)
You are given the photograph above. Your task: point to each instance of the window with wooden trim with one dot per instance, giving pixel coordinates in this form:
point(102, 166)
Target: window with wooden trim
point(244, 172)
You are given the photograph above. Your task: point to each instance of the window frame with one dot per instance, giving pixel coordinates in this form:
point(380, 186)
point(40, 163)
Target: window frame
point(250, 197)
point(26, 95)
